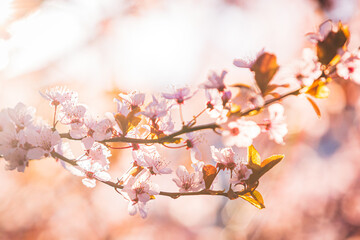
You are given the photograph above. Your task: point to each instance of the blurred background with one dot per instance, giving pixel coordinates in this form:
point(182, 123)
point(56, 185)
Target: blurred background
point(100, 48)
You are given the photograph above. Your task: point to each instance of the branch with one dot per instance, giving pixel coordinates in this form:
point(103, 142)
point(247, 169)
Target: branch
point(268, 102)
point(170, 138)
point(173, 195)
point(186, 129)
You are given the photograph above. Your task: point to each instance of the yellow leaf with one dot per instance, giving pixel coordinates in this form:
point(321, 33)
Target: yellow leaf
point(254, 198)
point(269, 163)
point(255, 112)
point(318, 89)
point(135, 171)
point(273, 160)
point(315, 106)
point(235, 108)
point(240, 85)
point(253, 157)
point(262, 168)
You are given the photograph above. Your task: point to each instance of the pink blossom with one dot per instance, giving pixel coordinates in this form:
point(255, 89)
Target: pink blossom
point(60, 95)
point(93, 130)
point(11, 140)
point(276, 125)
point(139, 190)
point(324, 29)
point(12, 148)
point(225, 157)
point(5, 121)
point(215, 107)
point(179, 95)
point(153, 161)
point(163, 125)
point(240, 132)
point(188, 182)
point(93, 171)
point(240, 173)
point(73, 115)
point(156, 109)
point(122, 107)
point(22, 116)
point(140, 150)
point(308, 68)
point(16, 159)
point(349, 67)
point(192, 143)
point(43, 139)
point(215, 81)
point(103, 130)
point(166, 124)
point(133, 99)
point(140, 207)
point(226, 97)
point(248, 62)
point(97, 153)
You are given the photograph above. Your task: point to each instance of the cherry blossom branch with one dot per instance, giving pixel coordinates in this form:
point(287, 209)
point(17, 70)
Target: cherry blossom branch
point(229, 194)
point(269, 102)
point(186, 129)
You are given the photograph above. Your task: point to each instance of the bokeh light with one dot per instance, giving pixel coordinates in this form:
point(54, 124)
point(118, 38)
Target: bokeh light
point(101, 48)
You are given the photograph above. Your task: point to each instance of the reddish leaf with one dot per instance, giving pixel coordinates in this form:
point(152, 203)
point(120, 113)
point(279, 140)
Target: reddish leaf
point(122, 122)
point(315, 106)
point(264, 68)
point(209, 174)
point(126, 123)
point(273, 87)
point(328, 49)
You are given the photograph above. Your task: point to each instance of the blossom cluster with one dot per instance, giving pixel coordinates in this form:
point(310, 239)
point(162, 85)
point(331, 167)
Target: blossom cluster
point(141, 123)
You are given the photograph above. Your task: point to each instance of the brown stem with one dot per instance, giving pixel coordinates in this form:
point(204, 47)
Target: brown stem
point(268, 102)
point(185, 129)
point(173, 195)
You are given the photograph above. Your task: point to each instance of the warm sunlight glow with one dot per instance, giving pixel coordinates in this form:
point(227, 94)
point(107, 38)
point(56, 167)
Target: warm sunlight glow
point(5, 10)
point(4, 54)
point(159, 47)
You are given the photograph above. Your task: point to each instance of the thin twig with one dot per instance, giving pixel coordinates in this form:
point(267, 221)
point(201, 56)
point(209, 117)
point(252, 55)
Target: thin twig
point(162, 193)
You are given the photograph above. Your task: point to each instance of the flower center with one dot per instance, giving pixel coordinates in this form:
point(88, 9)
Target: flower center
point(234, 131)
point(180, 100)
point(139, 190)
point(90, 175)
point(90, 132)
point(189, 144)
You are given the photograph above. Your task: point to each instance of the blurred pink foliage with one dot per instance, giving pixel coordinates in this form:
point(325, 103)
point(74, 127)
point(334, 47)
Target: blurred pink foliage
point(102, 49)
